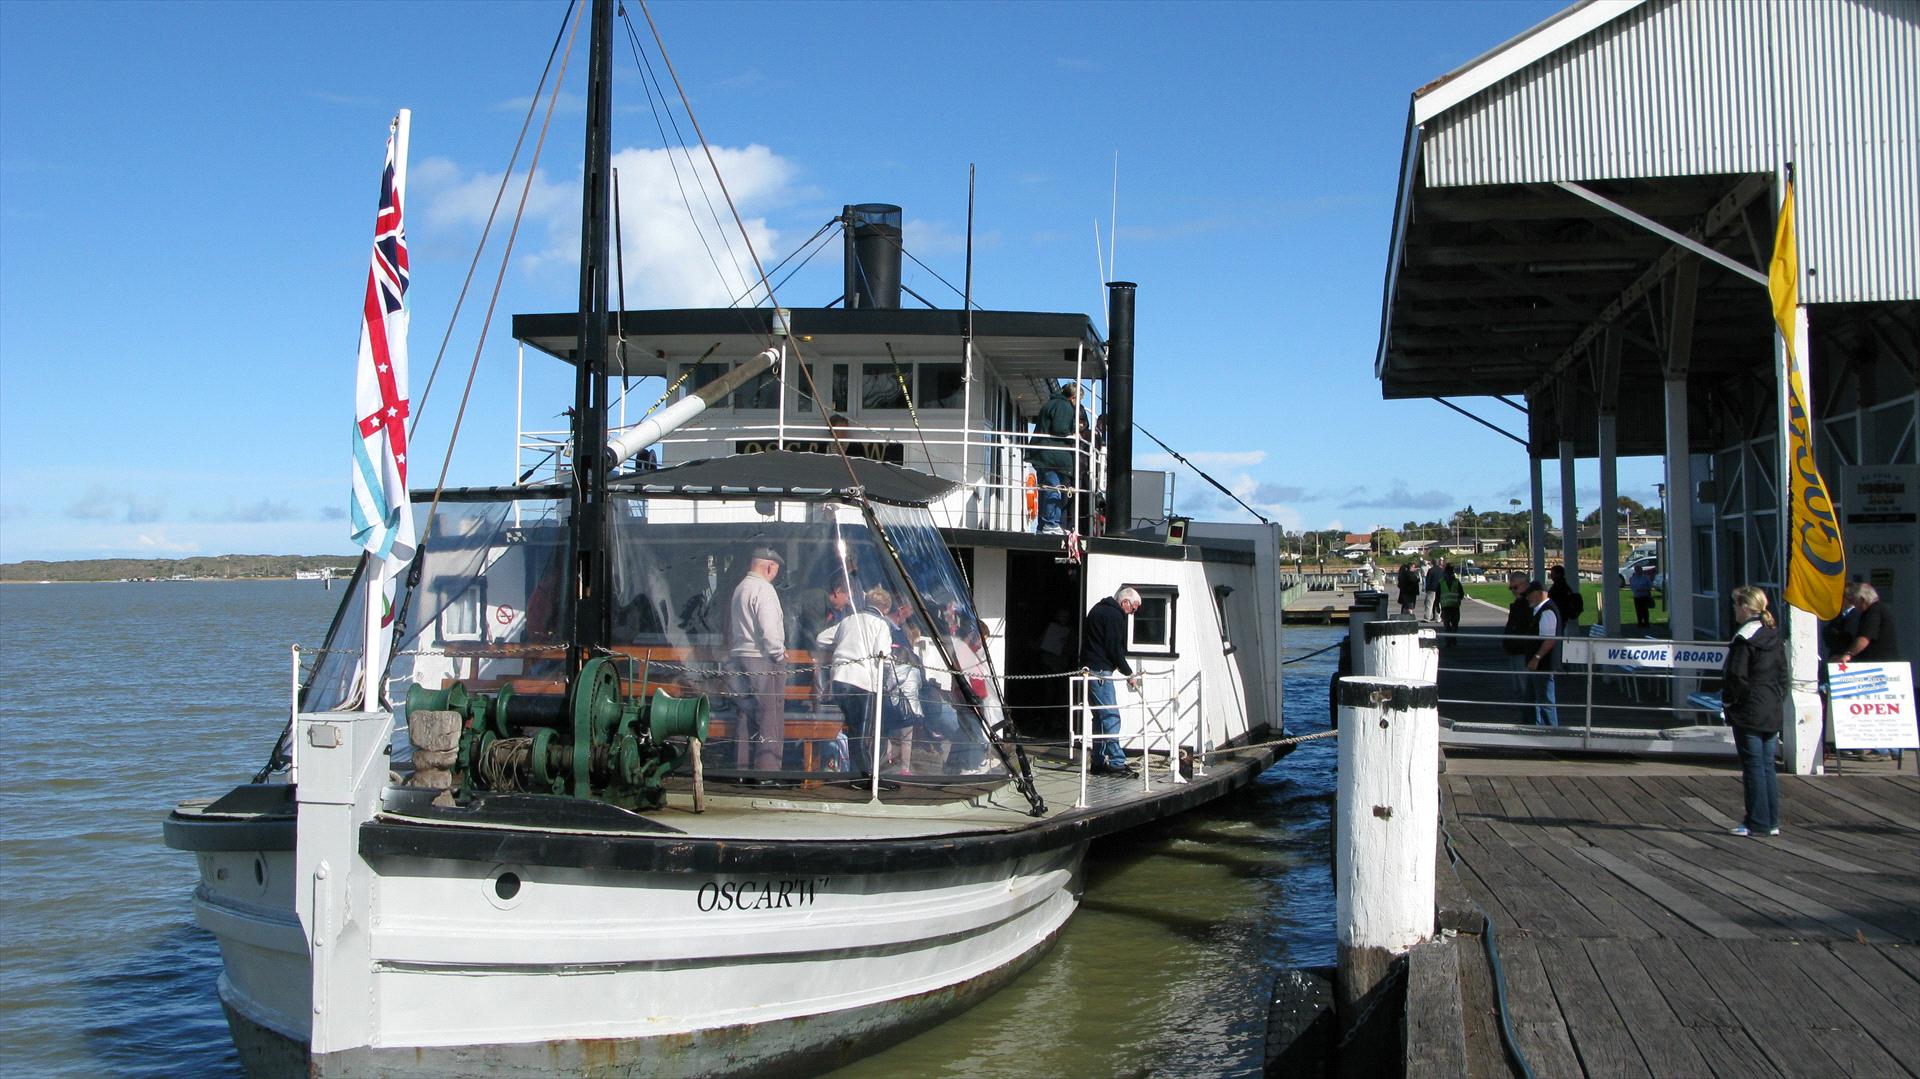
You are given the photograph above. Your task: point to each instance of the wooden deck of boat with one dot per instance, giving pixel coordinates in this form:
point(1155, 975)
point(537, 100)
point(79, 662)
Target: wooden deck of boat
point(1637, 936)
point(910, 810)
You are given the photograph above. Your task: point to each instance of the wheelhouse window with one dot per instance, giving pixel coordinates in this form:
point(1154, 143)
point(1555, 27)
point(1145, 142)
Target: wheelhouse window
point(703, 373)
point(881, 386)
point(941, 385)
point(830, 382)
point(761, 391)
point(1151, 628)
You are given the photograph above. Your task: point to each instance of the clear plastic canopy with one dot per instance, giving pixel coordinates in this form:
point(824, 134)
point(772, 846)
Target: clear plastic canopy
point(825, 656)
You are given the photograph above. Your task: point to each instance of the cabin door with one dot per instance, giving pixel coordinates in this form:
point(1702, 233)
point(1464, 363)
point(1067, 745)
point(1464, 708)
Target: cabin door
point(1042, 637)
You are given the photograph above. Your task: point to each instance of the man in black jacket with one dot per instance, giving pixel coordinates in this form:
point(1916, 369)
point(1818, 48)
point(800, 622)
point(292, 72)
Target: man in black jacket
point(1512, 642)
point(1103, 650)
point(1869, 640)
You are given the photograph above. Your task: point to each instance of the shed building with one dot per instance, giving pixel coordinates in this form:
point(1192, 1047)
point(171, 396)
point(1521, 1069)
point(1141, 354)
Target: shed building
point(1584, 226)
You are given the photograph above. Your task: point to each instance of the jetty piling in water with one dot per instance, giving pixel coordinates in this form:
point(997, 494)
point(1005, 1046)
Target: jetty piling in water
point(1386, 816)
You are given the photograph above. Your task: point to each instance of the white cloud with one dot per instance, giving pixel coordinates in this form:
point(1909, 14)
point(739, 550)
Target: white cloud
point(158, 541)
point(671, 252)
point(925, 239)
point(681, 246)
point(103, 504)
point(1205, 459)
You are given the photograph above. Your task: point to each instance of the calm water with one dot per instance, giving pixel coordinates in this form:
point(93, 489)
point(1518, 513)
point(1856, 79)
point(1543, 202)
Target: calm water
point(120, 699)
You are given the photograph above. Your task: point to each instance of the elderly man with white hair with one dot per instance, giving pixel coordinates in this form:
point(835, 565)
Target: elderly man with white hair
point(1872, 638)
point(1103, 650)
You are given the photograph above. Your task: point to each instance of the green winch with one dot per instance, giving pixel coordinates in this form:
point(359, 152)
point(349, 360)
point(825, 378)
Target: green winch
point(590, 742)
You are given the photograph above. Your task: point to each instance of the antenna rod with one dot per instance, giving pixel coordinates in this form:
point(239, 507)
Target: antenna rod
point(587, 535)
point(1113, 227)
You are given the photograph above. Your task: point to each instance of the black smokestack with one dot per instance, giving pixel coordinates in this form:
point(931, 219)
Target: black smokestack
point(873, 255)
point(1120, 405)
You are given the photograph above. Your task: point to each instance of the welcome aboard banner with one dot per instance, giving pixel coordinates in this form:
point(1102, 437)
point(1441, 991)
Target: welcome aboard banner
point(1687, 656)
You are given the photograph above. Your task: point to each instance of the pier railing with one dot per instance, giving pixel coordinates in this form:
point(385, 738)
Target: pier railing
point(1608, 689)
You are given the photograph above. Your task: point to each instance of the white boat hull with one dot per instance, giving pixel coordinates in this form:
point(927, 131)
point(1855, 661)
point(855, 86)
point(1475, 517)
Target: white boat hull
point(593, 972)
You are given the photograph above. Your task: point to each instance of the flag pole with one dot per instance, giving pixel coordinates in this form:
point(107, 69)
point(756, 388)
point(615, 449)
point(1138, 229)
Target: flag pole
point(1813, 559)
point(380, 512)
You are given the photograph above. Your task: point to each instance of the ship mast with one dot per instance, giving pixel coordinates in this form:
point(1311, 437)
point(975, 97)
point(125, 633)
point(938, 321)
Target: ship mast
point(589, 523)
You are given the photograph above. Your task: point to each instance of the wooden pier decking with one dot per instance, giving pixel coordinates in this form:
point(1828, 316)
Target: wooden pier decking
point(1638, 937)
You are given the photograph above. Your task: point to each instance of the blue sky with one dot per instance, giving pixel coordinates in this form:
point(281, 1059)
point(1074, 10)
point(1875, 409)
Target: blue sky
point(187, 193)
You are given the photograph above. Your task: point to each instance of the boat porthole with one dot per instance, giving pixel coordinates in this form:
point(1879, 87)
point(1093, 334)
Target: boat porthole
point(504, 887)
point(260, 871)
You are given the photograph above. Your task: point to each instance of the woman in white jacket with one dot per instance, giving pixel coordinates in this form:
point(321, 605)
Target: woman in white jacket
point(858, 647)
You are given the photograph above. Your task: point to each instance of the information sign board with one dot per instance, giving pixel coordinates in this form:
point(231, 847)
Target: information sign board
point(1872, 706)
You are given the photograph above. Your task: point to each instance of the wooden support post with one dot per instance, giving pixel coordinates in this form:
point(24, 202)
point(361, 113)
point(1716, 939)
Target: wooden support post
point(1387, 817)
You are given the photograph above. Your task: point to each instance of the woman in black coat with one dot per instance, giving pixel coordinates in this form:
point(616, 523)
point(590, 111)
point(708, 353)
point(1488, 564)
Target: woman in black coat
point(1409, 587)
point(1753, 695)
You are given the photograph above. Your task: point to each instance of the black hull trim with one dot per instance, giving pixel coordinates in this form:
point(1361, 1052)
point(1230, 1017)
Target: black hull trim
point(683, 854)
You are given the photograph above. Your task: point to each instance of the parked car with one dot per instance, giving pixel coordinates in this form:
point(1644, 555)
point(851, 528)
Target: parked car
point(1627, 571)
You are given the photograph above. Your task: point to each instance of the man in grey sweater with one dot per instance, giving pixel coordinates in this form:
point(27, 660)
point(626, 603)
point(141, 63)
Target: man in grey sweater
point(756, 650)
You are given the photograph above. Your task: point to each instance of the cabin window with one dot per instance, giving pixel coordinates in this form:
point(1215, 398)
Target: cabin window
point(830, 382)
point(941, 385)
point(460, 620)
point(703, 373)
point(881, 386)
point(761, 391)
point(1151, 629)
point(1220, 594)
point(841, 375)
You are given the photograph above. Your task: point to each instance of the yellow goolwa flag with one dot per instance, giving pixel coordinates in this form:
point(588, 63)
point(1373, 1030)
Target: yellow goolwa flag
point(1816, 559)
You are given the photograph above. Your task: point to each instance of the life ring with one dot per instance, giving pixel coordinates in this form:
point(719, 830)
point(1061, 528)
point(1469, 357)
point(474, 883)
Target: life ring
point(1033, 497)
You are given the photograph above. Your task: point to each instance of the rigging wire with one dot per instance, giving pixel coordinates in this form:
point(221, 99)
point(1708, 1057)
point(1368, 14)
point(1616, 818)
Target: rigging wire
point(821, 231)
point(499, 279)
point(806, 369)
point(1202, 474)
point(420, 406)
point(650, 83)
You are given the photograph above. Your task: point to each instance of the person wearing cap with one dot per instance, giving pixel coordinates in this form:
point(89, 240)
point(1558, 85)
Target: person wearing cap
point(1544, 626)
point(756, 647)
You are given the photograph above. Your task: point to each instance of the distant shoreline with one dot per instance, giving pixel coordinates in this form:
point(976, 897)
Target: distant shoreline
point(155, 580)
point(226, 567)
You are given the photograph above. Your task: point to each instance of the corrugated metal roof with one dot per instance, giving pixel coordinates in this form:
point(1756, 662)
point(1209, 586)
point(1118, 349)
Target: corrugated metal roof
point(1704, 87)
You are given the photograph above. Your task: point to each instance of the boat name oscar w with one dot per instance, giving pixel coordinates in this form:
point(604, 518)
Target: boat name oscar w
point(760, 895)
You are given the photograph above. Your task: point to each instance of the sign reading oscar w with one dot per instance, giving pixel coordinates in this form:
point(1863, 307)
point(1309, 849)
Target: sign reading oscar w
point(1873, 706)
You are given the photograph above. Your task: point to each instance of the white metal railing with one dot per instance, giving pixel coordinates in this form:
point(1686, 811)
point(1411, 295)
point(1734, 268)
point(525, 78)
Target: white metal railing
point(1002, 481)
point(1166, 713)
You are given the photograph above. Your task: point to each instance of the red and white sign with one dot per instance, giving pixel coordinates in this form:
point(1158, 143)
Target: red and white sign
point(1872, 706)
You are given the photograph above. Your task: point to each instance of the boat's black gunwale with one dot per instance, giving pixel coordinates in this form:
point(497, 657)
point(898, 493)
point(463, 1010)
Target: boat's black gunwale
point(192, 832)
point(683, 854)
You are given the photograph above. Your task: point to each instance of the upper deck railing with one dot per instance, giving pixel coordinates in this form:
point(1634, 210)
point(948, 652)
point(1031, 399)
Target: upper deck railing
point(998, 490)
